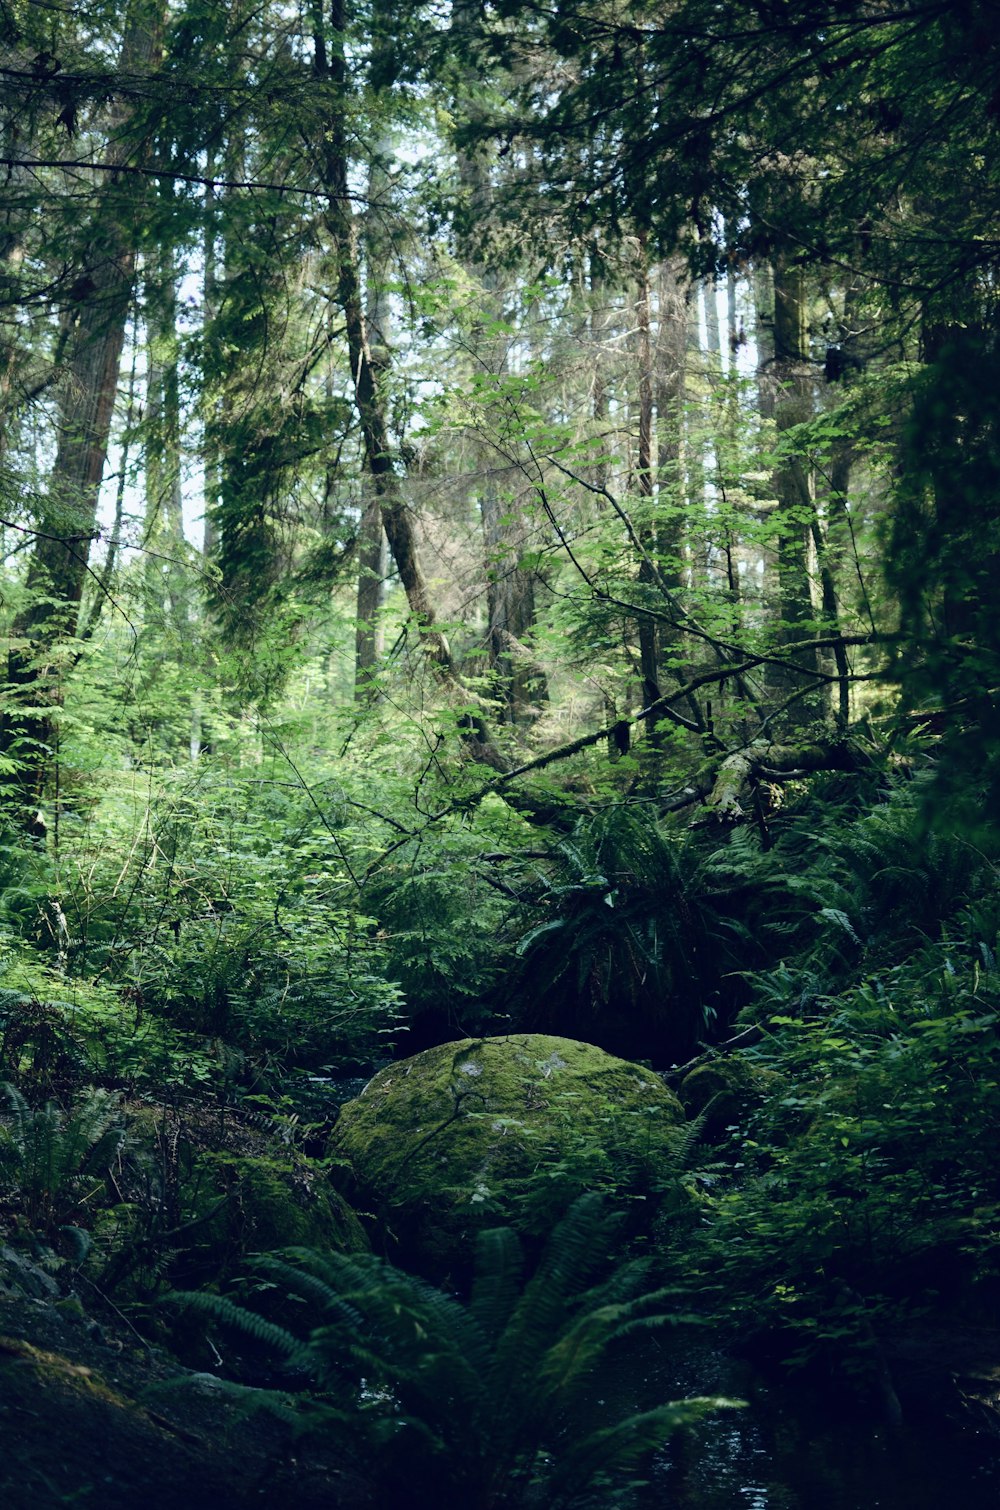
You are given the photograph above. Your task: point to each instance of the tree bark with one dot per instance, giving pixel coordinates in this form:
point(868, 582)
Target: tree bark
point(163, 535)
point(94, 335)
point(671, 368)
point(373, 565)
point(372, 547)
point(329, 66)
point(787, 396)
point(598, 335)
point(645, 484)
point(519, 683)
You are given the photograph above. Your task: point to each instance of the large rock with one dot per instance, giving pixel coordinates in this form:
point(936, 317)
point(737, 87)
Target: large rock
point(722, 1091)
point(501, 1130)
point(226, 1188)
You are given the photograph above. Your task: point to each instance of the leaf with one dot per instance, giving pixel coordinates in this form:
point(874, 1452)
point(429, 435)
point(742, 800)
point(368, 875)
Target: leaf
point(530, 938)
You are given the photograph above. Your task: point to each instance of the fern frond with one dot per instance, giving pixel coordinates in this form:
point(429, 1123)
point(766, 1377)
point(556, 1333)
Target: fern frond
point(20, 1113)
point(575, 1250)
point(498, 1276)
point(320, 1290)
point(79, 1241)
point(403, 1322)
point(604, 1455)
point(478, 1399)
point(239, 1319)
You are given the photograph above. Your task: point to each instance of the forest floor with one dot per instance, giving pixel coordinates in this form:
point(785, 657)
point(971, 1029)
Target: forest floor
point(89, 1416)
point(92, 1416)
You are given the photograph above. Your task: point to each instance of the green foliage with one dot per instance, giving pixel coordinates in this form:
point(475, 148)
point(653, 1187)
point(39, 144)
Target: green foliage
point(843, 889)
point(491, 1402)
point(632, 950)
point(58, 1032)
point(58, 1160)
point(230, 921)
point(26, 878)
point(863, 1182)
point(446, 929)
point(240, 881)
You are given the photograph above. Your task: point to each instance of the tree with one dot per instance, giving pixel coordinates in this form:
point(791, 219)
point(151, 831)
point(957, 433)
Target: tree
point(641, 535)
point(92, 334)
point(827, 144)
point(330, 70)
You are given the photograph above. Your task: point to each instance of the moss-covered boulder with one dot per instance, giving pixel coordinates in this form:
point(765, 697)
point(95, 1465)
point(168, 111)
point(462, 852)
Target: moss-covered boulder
point(501, 1130)
point(203, 1193)
point(722, 1090)
point(243, 1204)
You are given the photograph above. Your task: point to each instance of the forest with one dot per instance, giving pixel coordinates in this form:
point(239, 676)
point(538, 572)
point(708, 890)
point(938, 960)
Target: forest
point(500, 753)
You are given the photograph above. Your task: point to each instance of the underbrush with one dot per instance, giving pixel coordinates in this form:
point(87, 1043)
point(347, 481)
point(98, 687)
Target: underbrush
point(197, 1000)
point(857, 1187)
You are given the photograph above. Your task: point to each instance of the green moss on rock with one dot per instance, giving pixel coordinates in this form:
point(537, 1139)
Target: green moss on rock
point(234, 1190)
point(723, 1090)
point(497, 1130)
point(257, 1205)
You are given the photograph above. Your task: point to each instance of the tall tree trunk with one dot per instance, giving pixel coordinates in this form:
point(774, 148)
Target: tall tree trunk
point(645, 485)
point(674, 300)
point(519, 683)
point(829, 545)
point(210, 309)
point(202, 742)
point(166, 577)
point(373, 566)
point(329, 66)
point(787, 396)
point(833, 534)
point(94, 334)
point(713, 329)
point(695, 477)
point(670, 358)
point(734, 331)
point(372, 546)
point(724, 407)
point(13, 349)
point(598, 333)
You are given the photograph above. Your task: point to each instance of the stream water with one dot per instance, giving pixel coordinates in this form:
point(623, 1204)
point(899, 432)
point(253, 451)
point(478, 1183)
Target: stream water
point(786, 1451)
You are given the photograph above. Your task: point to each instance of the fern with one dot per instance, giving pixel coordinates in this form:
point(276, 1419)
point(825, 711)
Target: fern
point(631, 949)
point(50, 1154)
point(479, 1404)
point(602, 1458)
point(220, 1308)
point(497, 1282)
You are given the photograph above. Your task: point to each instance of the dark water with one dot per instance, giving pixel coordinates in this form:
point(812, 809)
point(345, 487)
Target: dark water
point(340, 1088)
point(786, 1451)
point(749, 1462)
